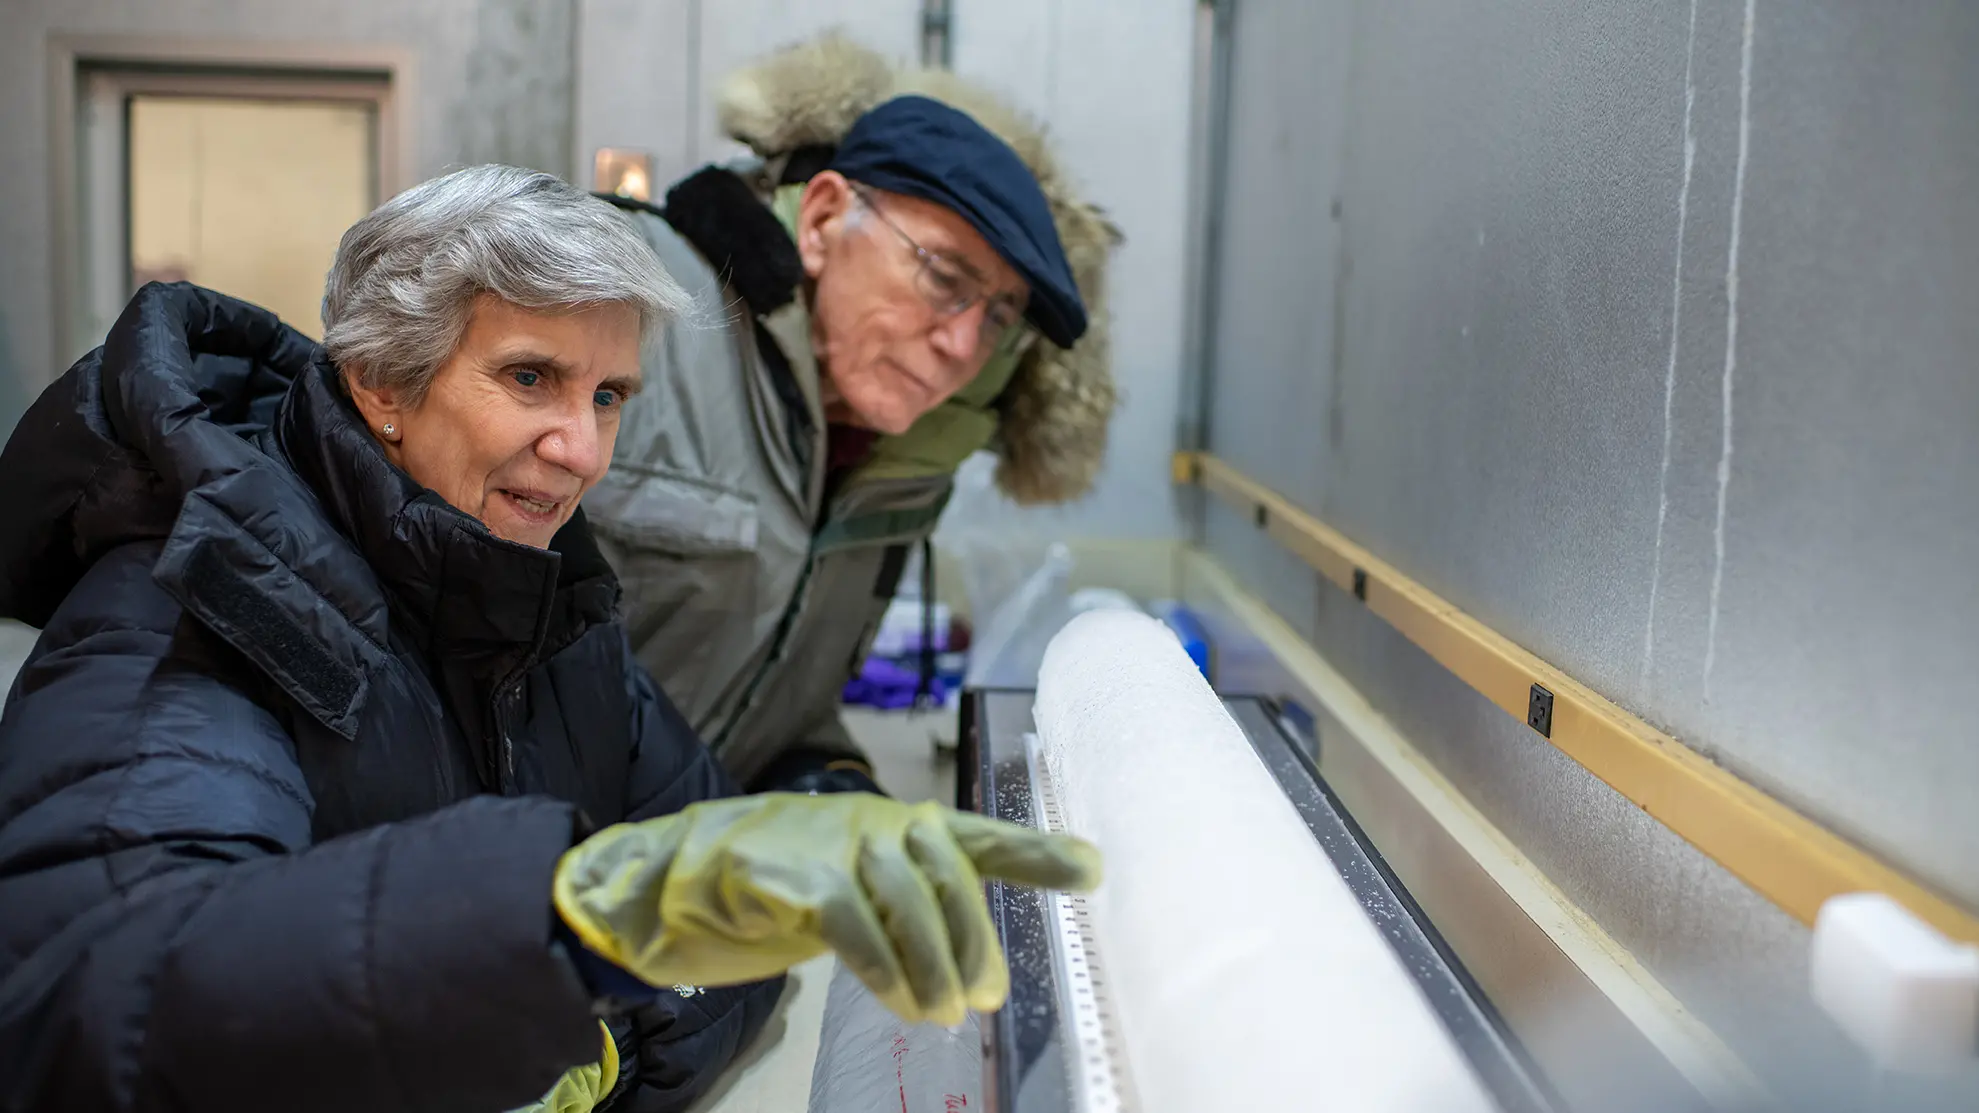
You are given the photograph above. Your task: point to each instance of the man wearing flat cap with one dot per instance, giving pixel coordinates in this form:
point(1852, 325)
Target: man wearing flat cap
point(888, 287)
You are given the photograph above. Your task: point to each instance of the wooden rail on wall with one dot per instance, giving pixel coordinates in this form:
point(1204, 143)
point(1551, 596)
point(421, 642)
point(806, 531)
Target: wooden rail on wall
point(1783, 855)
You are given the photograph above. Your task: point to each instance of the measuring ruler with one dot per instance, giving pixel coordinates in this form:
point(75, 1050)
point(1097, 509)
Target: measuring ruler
point(1095, 1052)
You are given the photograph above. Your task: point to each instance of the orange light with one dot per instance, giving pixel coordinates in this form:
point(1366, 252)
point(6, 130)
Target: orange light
point(623, 172)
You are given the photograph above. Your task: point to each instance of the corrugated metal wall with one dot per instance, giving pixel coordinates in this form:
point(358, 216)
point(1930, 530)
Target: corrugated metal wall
point(1645, 333)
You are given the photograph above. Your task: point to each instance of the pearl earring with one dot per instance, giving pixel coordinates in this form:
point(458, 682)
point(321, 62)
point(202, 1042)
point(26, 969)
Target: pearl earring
point(389, 429)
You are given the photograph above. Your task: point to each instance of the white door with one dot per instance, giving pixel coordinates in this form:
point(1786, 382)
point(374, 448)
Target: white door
point(242, 185)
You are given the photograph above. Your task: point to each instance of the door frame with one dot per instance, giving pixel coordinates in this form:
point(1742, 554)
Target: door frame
point(381, 75)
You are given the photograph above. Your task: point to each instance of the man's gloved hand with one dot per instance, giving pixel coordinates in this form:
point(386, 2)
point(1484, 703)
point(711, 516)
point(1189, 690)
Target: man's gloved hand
point(737, 890)
point(581, 1088)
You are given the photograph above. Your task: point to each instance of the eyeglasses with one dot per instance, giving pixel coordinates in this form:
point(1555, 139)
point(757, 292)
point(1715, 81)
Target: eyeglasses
point(949, 288)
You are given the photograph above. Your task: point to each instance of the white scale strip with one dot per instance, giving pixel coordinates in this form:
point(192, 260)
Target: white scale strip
point(1095, 1052)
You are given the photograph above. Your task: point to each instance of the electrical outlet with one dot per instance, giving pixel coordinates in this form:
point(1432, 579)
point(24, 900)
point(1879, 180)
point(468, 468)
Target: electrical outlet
point(1539, 711)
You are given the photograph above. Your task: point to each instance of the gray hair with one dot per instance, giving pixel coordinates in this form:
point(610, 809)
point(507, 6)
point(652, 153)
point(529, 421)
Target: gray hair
point(406, 276)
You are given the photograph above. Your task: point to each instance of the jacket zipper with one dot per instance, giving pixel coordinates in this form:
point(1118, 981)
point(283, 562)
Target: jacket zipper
point(505, 696)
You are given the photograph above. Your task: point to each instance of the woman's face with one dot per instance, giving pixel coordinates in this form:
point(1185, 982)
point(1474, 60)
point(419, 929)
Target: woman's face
point(520, 421)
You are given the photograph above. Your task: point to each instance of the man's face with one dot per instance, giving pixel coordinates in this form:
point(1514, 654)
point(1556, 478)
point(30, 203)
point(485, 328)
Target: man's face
point(889, 339)
point(520, 421)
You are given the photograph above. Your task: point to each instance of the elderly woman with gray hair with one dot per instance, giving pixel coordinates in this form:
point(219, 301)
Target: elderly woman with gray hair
point(331, 783)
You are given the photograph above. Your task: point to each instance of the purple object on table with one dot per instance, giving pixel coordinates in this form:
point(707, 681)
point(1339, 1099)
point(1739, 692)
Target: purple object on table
point(890, 685)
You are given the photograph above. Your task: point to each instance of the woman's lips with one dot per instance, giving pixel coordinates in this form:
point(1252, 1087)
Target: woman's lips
point(533, 505)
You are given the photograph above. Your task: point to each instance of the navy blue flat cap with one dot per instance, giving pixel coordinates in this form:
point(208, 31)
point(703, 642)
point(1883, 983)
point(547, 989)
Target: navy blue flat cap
point(923, 148)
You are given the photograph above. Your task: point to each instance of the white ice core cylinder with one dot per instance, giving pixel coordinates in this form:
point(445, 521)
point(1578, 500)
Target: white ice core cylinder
point(1245, 973)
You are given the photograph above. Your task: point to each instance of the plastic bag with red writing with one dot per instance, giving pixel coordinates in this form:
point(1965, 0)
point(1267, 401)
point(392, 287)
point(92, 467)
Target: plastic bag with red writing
point(869, 1060)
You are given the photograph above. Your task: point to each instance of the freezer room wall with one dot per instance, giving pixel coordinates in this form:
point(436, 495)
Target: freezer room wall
point(1645, 333)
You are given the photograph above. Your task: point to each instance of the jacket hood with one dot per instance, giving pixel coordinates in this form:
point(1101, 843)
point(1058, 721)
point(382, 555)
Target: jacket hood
point(109, 451)
point(206, 424)
point(1055, 411)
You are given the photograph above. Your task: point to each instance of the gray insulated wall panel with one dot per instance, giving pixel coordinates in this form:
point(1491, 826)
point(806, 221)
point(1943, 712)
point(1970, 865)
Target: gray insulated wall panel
point(1647, 333)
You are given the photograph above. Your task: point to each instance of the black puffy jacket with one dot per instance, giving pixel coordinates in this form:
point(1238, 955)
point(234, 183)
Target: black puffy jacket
point(284, 781)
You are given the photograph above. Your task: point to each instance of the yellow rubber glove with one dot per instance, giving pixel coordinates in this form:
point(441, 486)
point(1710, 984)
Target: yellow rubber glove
point(739, 890)
point(581, 1088)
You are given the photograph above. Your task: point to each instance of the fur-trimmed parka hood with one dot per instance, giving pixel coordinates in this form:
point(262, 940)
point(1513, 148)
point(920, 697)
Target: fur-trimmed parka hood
point(1054, 413)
